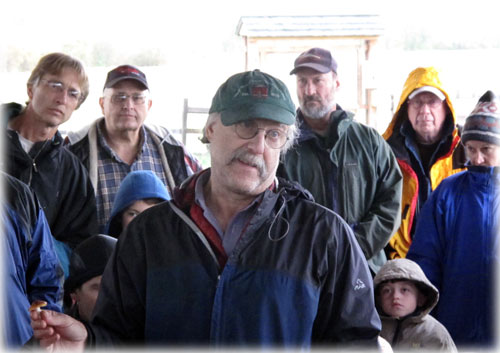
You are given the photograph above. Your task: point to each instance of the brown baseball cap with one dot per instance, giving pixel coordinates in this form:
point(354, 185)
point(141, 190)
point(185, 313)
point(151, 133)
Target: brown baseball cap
point(317, 59)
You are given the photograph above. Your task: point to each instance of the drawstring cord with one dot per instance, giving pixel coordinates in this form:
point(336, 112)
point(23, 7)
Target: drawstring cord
point(274, 220)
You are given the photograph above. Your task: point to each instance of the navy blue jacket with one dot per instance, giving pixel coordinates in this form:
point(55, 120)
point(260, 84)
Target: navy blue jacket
point(296, 278)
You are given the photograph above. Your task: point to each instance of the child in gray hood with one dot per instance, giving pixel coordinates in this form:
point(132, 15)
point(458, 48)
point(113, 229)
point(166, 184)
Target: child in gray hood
point(404, 297)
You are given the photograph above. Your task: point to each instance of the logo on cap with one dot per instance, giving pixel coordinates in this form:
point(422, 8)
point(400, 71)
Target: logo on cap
point(129, 70)
point(259, 91)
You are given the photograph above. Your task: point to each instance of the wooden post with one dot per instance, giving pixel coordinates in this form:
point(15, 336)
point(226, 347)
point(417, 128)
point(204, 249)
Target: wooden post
point(184, 121)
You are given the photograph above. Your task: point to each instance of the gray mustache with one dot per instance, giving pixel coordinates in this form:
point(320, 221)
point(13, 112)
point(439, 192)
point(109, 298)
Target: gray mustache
point(250, 159)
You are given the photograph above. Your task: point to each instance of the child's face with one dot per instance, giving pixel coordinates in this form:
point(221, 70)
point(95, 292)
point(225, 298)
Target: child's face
point(133, 210)
point(400, 298)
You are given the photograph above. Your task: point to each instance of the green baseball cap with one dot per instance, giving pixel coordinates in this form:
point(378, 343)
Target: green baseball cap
point(251, 95)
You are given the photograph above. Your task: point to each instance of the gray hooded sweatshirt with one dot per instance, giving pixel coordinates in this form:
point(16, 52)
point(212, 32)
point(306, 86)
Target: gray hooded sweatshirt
point(418, 330)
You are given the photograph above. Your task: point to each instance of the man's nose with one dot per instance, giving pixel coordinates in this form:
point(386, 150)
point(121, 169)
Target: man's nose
point(425, 108)
point(129, 103)
point(62, 96)
point(257, 144)
point(310, 89)
point(477, 159)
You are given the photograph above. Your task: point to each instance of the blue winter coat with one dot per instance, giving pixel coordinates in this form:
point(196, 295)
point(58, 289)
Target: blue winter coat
point(31, 267)
point(456, 244)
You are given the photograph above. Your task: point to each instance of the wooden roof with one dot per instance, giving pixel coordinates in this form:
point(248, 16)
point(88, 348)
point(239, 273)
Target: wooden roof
point(368, 25)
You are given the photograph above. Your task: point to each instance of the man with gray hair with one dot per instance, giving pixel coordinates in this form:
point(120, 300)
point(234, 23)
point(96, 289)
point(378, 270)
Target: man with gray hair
point(238, 257)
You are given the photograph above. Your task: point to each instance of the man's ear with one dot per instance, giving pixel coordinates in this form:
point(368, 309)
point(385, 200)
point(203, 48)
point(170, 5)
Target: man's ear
point(210, 130)
point(101, 103)
point(73, 298)
point(29, 89)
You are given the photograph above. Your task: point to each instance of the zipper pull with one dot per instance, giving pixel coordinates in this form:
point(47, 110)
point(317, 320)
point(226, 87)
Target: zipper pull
point(34, 167)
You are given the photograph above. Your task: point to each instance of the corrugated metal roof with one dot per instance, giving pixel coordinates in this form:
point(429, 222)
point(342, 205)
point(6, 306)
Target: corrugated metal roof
point(310, 26)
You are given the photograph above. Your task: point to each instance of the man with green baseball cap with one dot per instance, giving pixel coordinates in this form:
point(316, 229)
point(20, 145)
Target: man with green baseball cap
point(253, 94)
point(238, 257)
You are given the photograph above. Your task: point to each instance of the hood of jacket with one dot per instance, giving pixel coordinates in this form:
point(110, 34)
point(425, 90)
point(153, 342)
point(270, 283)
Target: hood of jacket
point(422, 76)
point(9, 111)
point(137, 185)
point(404, 269)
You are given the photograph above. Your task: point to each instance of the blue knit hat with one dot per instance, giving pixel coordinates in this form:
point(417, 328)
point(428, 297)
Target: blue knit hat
point(137, 185)
point(483, 124)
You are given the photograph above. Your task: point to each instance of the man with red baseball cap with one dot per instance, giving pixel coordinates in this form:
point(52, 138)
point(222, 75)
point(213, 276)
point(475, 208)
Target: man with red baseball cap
point(120, 142)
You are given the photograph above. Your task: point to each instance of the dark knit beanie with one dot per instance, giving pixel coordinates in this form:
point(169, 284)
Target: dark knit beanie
point(483, 124)
point(89, 260)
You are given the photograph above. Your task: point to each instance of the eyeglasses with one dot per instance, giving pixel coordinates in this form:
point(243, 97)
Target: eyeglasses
point(137, 99)
point(59, 87)
point(248, 129)
point(418, 103)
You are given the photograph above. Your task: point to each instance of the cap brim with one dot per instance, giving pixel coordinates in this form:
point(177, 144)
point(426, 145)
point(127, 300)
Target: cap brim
point(256, 111)
point(431, 89)
point(316, 67)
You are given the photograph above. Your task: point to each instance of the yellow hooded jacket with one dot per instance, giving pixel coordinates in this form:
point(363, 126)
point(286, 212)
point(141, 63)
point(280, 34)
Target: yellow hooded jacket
point(450, 163)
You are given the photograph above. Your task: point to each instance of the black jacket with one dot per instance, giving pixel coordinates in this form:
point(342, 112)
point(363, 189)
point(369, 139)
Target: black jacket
point(59, 180)
point(296, 278)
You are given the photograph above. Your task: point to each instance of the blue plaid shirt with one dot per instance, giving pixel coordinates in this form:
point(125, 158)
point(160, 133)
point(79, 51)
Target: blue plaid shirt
point(112, 170)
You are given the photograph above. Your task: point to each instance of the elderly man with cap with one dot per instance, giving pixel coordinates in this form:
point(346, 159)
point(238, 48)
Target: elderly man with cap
point(119, 142)
point(85, 272)
point(456, 240)
point(347, 166)
point(425, 139)
point(238, 257)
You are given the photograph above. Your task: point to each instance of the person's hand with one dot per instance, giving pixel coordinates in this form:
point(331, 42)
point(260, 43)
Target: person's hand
point(58, 332)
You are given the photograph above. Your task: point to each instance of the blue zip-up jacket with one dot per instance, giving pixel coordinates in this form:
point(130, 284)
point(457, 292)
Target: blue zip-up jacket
point(456, 244)
point(30, 264)
point(296, 278)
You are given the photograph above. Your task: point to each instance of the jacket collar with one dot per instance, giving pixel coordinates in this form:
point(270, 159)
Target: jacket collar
point(184, 194)
point(11, 110)
point(339, 121)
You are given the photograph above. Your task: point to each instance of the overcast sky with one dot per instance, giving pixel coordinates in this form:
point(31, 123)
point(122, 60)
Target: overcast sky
point(145, 23)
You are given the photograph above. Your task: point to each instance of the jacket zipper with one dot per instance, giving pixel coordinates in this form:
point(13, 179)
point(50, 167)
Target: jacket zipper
point(33, 162)
point(198, 232)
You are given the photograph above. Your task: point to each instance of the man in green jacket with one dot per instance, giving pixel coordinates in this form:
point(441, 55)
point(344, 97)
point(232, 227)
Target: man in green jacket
point(347, 166)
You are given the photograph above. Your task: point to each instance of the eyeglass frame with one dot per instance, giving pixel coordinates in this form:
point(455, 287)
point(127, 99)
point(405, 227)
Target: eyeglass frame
point(257, 129)
point(58, 86)
point(418, 104)
point(113, 98)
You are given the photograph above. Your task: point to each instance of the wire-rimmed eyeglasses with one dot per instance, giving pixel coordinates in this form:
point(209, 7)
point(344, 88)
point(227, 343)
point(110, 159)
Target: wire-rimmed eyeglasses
point(275, 137)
